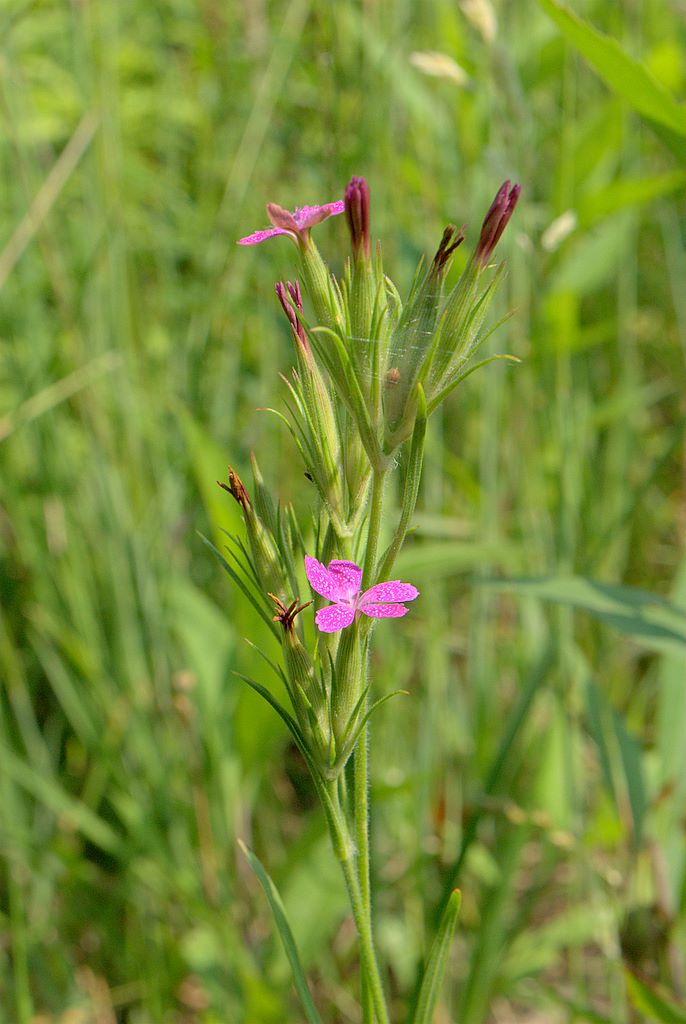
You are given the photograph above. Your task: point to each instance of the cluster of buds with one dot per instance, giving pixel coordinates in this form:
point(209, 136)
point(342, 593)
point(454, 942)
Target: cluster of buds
point(369, 370)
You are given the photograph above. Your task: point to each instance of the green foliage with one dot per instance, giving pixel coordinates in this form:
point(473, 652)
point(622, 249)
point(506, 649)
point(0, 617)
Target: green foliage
point(286, 934)
point(539, 760)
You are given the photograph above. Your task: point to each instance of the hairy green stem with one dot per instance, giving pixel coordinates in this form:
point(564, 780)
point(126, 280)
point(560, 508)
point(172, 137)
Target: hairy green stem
point(374, 528)
point(361, 757)
point(345, 851)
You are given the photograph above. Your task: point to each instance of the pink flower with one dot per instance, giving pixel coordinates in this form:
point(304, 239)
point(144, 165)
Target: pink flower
point(296, 224)
point(340, 583)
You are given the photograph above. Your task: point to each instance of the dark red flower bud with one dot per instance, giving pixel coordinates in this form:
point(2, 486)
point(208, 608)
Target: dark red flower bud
point(357, 215)
point(496, 220)
point(289, 296)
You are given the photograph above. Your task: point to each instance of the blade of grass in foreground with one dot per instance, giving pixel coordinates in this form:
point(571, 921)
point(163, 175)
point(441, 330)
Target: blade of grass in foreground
point(624, 75)
point(647, 618)
point(437, 962)
point(286, 934)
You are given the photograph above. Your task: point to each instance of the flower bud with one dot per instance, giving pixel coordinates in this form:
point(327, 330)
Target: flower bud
point(465, 309)
point(290, 297)
point(357, 215)
point(413, 341)
point(496, 221)
point(323, 451)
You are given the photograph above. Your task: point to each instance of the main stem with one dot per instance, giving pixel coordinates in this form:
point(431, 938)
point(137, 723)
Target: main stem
point(343, 844)
point(361, 758)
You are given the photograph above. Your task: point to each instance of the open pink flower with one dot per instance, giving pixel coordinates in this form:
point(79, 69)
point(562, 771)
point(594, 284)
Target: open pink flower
point(296, 224)
point(340, 583)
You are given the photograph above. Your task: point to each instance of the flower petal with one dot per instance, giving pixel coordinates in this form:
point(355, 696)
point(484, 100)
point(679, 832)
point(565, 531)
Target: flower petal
point(307, 216)
point(349, 577)
point(282, 219)
point(340, 581)
point(334, 618)
point(393, 590)
point(384, 611)
point(259, 236)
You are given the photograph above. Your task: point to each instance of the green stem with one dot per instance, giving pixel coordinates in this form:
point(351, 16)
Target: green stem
point(361, 823)
point(374, 528)
point(398, 538)
point(361, 790)
point(361, 757)
point(344, 848)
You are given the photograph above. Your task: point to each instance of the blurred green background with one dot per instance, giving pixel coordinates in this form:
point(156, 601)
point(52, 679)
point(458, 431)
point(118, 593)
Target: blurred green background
point(540, 761)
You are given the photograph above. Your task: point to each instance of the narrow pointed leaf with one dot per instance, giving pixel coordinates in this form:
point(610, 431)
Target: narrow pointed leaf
point(240, 584)
point(624, 75)
point(377, 704)
point(436, 401)
point(276, 904)
point(649, 619)
point(436, 964)
point(654, 1003)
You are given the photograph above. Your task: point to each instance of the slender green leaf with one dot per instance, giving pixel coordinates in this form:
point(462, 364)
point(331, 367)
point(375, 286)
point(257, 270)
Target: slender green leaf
point(286, 934)
point(647, 618)
point(443, 394)
point(625, 76)
point(654, 1003)
point(434, 970)
point(67, 808)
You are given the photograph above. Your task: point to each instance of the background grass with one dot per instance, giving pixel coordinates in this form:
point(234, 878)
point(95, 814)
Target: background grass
point(540, 761)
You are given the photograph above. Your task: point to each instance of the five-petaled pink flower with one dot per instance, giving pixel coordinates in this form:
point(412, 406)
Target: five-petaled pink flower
point(297, 224)
point(340, 583)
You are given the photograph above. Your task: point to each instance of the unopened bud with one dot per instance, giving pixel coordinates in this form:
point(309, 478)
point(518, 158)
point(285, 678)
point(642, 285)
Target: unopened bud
point(412, 342)
point(291, 301)
point(357, 215)
point(496, 221)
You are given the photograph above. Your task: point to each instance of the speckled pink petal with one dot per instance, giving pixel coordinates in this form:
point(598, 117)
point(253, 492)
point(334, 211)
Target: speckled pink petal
point(321, 580)
point(259, 236)
point(333, 618)
point(384, 611)
point(349, 577)
point(393, 590)
point(308, 216)
point(339, 581)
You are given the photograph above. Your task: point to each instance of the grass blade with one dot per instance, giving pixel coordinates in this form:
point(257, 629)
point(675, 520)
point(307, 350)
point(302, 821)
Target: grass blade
point(625, 76)
point(276, 904)
point(656, 1005)
point(647, 618)
point(438, 958)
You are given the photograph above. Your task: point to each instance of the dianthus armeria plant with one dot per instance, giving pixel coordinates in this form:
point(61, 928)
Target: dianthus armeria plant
point(369, 370)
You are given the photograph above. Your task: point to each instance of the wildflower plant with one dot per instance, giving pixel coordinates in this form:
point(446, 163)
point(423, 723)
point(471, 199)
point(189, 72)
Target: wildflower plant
point(369, 370)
